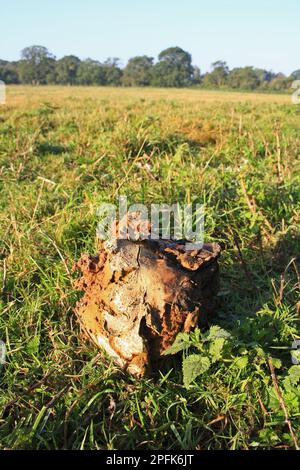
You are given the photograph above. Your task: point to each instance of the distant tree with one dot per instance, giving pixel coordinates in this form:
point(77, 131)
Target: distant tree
point(113, 72)
point(244, 78)
point(66, 70)
point(37, 65)
point(218, 76)
point(9, 72)
point(49, 67)
point(280, 82)
point(173, 69)
point(296, 75)
point(197, 78)
point(264, 76)
point(138, 71)
point(91, 72)
point(4, 63)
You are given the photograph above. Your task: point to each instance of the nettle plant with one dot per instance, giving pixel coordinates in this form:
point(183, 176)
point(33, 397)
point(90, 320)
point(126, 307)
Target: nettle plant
point(202, 350)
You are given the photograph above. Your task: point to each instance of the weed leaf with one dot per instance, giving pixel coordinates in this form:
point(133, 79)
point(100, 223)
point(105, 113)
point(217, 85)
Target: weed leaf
point(193, 366)
point(241, 362)
point(217, 332)
point(181, 342)
point(216, 348)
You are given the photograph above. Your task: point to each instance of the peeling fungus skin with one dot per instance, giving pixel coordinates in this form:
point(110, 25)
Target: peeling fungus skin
point(139, 294)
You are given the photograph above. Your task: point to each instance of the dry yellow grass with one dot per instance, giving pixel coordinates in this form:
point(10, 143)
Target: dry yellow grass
point(26, 95)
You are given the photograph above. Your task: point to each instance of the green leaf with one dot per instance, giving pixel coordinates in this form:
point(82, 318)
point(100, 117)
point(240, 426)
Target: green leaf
point(276, 363)
point(241, 362)
point(193, 366)
point(181, 342)
point(269, 436)
point(33, 345)
point(294, 374)
point(217, 332)
point(215, 349)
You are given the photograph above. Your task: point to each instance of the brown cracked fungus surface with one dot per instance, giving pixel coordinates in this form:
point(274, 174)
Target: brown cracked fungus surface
point(139, 294)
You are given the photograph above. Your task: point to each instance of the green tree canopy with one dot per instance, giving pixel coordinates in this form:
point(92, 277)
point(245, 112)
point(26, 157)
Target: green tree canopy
point(281, 82)
point(37, 65)
point(174, 68)
point(113, 72)
point(264, 76)
point(197, 79)
point(66, 70)
point(138, 71)
point(8, 72)
point(243, 77)
point(218, 76)
point(91, 72)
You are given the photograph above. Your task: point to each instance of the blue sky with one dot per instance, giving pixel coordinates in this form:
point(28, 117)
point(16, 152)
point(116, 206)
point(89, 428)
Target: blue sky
point(263, 33)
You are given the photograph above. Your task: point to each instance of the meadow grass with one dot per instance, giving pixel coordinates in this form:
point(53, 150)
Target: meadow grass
point(65, 150)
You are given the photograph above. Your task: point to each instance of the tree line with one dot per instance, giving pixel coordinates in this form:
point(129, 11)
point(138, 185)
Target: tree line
point(174, 68)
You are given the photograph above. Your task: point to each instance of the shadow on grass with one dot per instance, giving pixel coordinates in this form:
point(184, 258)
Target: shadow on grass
point(48, 148)
point(259, 293)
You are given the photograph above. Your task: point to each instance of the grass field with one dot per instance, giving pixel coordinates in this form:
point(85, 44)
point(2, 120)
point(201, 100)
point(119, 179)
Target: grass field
point(63, 151)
